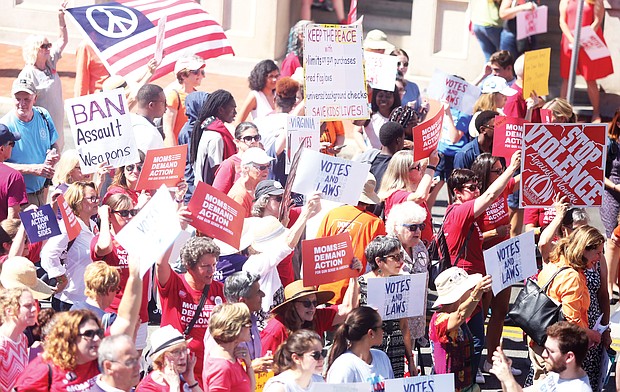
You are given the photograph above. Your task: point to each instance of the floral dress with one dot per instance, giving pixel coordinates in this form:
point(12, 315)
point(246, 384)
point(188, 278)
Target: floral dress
point(419, 264)
point(592, 361)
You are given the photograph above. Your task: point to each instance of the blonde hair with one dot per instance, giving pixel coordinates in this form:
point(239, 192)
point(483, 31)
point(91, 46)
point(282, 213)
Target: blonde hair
point(119, 201)
point(100, 278)
point(571, 248)
point(486, 101)
point(396, 175)
point(561, 108)
point(30, 49)
point(67, 162)
point(11, 226)
point(227, 320)
point(75, 195)
point(61, 341)
point(9, 299)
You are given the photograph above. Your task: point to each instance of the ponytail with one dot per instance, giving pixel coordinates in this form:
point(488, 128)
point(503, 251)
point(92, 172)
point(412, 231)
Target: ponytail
point(298, 343)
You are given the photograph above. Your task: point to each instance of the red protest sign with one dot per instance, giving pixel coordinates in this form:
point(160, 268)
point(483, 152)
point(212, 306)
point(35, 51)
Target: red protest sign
point(163, 166)
point(566, 159)
point(507, 136)
point(216, 215)
point(545, 115)
point(327, 260)
point(71, 222)
point(426, 135)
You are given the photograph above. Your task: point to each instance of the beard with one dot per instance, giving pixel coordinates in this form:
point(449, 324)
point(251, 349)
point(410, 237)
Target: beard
point(556, 367)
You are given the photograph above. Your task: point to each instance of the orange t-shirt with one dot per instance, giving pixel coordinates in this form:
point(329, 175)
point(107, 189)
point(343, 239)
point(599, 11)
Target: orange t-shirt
point(175, 99)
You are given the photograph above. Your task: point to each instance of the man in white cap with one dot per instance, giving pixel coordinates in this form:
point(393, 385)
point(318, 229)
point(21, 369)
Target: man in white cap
point(34, 155)
point(12, 185)
point(255, 166)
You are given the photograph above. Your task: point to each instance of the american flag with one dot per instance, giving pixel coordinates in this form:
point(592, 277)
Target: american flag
point(352, 17)
point(123, 33)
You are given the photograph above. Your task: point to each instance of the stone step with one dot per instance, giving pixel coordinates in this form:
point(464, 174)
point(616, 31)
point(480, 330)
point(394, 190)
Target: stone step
point(401, 9)
point(389, 24)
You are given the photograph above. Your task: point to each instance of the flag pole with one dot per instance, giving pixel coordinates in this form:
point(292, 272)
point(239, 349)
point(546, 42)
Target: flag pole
point(570, 92)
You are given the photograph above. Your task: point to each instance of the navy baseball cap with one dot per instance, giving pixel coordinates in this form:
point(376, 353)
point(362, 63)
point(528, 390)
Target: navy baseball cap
point(7, 136)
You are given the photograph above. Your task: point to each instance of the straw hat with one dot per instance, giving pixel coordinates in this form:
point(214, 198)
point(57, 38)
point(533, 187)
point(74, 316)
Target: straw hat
point(452, 284)
point(266, 232)
point(19, 272)
point(162, 339)
point(296, 290)
point(377, 39)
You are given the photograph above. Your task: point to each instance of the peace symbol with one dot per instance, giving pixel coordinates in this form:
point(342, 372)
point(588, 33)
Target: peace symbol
point(118, 26)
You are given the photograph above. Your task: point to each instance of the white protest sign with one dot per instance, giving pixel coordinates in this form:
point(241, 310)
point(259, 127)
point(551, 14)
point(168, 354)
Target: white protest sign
point(511, 261)
point(348, 387)
point(434, 382)
point(398, 296)
point(102, 130)
point(153, 230)
point(592, 44)
point(337, 179)
point(532, 22)
point(334, 84)
point(301, 131)
point(159, 40)
point(457, 92)
point(380, 70)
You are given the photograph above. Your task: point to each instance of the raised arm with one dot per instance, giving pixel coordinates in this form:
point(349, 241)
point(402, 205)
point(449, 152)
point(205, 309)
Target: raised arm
point(545, 242)
point(63, 37)
point(497, 187)
point(312, 207)
point(248, 105)
point(129, 307)
point(104, 243)
point(424, 187)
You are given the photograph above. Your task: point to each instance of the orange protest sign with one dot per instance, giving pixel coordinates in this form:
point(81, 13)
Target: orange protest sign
point(327, 260)
point(71, 223)
point(163, 166)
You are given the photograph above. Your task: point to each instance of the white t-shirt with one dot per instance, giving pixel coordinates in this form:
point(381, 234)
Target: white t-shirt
point(348, 367)
point(553, 383)
point(286, 379)
point(146, 135)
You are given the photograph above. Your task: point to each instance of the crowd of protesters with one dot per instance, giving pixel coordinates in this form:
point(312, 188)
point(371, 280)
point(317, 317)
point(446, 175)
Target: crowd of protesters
point(74, 313)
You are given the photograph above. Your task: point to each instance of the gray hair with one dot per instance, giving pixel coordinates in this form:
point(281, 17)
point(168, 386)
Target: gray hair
point(237, 285)
point(258, 208)
point(407, 212)
point(380, 246)
point(30, 48)
point(108, 348)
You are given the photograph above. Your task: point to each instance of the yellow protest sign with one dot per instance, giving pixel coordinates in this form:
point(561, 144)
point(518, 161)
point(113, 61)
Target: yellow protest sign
point(261, 380)
point(536, 72)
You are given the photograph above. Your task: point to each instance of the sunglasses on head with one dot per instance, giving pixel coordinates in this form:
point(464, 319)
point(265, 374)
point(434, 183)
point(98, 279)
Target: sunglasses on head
point(46, 46)
point(403, 64)
point(414, 226)
point(308, 304)
point(197, 72)
point(130, 168)
point(249, 139)
point(471, 187)
point(91, 333)
point(126, 213)
point(318, 354)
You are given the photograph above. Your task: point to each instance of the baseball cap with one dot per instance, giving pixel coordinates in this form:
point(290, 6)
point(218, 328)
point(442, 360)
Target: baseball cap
point(188, 63)
point(268, 187)
point(255, 155)
point(23, 85)
point(497, 84)
point(7, 136)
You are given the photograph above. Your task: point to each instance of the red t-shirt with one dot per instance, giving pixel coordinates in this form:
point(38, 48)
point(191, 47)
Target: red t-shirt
point(400, 197)
point(118, 258)
point(516, 106)
point(222, 375)
point(178, 304)
point(497, 214)
point(149, 385)
point(227, 173)
point(114, 189)
point(12, 190)
point(539, 217)
point(35, 377)
point(275, 331)
point(459, 219)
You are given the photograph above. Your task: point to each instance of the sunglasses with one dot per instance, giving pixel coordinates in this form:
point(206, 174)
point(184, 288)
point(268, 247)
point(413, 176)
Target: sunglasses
point(250, 139)
point(92, 199)
point(405, 64)
point(471, 187)
point(46, 46)
point(308, 304)
point(197, 72)
point(277, 198)
point(131, 168)
point(318, 354)
point(11, 143)
point(497, 171)
point(126, 213)
point(91, 333)
point(414, 226)
point(398, 256)
point(261, 167)
point(416, 167)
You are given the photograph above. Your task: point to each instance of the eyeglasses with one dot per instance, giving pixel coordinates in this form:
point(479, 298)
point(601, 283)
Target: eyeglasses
point(131, 168)
point(126, 213)
point(250, 139)
point(91, 333)
point(403, 64)
point(46, 46)
point(308, 304)
point(498, 171)
point(131, 362)
point(414, 226)
point(92, 199)
point(416, 167)
point(318, 354)
point(489, 126)
point(380, 326)
point(11, 144)
point(397, 257)
point(471, 187)
point(178, 352)
point(277, 198)
point(198, 71)
point(261, 167)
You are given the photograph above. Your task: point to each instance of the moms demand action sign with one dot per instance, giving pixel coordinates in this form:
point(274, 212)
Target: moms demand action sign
point(568, 159)
point(327, 260)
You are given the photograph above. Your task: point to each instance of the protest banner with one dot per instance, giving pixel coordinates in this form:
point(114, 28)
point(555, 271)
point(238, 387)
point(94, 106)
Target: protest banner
point(532, 22)
point(380, 70)
point(426, 135)
point(216, 215)
point(455, 91)
point(545, 115)
point(566, 159)
point(327, 259)
point(536, 72)
point(102, 130)
point(511, 261)
point(159, 39)
point(334, 85)
point(301, 131)
point(71, 223)
point(398, 296)
point(163, 166)
point(433, 382)
point(337, 179)
point(40, 224)
point(592, 44)
point(151, 232)
point(507, 137)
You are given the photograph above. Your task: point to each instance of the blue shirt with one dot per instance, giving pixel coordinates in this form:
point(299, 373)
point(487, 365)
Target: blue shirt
point(467, 155)
point(37, 137)
point(412, 93)
point(461, 122)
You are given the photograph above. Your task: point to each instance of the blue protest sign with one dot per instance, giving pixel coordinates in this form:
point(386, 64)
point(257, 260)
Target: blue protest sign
point(40, 224)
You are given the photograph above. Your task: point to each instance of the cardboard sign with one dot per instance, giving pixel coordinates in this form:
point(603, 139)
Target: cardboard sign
point(507, 136)
point(163, 166)
point(153, 230)
point(327, 260)
point(159, 40)
point(40, 224)
point(434, 382)
point(216, 215)
point(568, 159)
point(397, 297)
point(536, 72)
point(301, 131)
point(532, 22)
point(102, 130)
point(337, 179)
point(511, 261)
point(261, 380)
point(380, 70)
point(592, 44)
point(71, 223)
point(426, 135)
point(334, 82)
point(457, 92)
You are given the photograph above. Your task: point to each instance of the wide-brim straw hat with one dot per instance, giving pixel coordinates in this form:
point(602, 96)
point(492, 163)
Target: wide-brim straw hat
point(266, 233)
point(452, 284)
point(19, 272)
point(296, 290)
